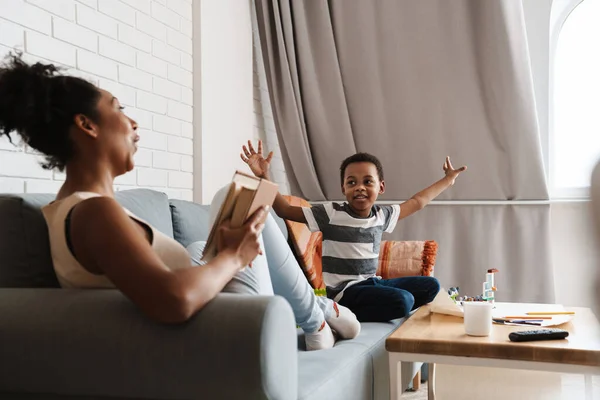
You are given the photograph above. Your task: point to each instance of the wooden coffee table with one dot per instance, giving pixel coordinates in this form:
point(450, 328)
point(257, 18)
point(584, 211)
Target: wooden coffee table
point(437, 338)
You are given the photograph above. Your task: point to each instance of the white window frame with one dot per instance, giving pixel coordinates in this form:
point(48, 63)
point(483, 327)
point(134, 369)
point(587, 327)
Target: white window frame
point(560, 11)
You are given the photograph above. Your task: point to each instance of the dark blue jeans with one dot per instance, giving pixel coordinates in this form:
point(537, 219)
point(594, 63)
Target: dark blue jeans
point(379, 300)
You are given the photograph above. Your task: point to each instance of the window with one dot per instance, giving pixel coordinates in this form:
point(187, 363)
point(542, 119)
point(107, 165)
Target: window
point(574, 97)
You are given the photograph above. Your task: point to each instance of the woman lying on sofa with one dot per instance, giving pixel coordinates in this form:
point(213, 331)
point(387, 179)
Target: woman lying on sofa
point(96, 243)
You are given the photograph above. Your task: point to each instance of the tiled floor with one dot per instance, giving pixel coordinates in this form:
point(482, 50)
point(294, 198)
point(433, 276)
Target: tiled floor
point(475, 383)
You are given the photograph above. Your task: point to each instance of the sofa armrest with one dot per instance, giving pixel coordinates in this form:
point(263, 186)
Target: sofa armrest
point(96, 343)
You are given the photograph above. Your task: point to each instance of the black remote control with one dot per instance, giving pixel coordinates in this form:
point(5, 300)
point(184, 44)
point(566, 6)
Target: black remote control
point(538, 334)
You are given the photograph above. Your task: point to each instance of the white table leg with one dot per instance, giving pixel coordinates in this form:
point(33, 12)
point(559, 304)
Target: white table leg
point(589, 387)
point(395, 376)
point(431, 381)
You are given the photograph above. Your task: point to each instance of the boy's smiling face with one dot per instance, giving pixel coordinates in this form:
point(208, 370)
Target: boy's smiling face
point(362, 186)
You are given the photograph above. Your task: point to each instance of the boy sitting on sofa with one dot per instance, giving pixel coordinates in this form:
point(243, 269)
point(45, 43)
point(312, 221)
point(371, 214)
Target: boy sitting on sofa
point(352, 233)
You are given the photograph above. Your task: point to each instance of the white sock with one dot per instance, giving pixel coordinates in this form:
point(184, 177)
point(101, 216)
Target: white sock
point(319, 340)
point(340, 318)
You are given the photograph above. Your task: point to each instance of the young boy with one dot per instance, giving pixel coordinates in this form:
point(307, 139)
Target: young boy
point(352, 234)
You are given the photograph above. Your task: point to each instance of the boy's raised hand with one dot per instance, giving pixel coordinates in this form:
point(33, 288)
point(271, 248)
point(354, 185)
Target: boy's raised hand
point(450, 172)
point(260, 167)
point(421, 199)
point(255, 160)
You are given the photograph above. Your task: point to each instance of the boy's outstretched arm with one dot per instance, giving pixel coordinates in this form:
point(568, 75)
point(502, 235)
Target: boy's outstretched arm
point(421, 199)
point(260, 168)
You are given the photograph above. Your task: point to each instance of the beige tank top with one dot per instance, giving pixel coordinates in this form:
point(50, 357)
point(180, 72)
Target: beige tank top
point(71, 273)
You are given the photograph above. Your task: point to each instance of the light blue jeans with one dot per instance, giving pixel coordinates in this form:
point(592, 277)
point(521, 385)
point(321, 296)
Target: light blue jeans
point(276, 271)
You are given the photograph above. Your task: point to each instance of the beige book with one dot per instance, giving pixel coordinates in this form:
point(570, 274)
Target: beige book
point(246, 195)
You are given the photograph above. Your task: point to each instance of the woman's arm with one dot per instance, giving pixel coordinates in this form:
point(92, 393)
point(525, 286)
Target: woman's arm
point(117, 247)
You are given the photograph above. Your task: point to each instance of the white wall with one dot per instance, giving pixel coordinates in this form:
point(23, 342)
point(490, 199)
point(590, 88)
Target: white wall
point(226, 106)
point(575, 252)
point(575, 247)
point(141, 51)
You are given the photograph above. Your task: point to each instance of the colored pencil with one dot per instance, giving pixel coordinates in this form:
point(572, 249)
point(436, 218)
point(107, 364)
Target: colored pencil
point(551, 313)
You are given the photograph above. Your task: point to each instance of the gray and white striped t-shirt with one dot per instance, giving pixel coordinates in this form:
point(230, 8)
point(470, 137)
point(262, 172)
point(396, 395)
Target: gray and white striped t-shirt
point(350, 242)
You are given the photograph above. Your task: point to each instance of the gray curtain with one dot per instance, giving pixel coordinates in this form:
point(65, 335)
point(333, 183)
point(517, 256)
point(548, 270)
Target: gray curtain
point(412, 82)
point(595, 194)
point(474, 238)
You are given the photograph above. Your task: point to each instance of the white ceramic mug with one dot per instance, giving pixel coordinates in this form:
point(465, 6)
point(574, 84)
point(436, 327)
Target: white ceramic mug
point(478, 318)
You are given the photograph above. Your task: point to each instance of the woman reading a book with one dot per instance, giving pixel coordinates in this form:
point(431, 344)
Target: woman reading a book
point(96, 243)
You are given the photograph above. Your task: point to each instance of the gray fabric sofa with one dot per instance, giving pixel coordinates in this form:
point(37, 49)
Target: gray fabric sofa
point(94, 344)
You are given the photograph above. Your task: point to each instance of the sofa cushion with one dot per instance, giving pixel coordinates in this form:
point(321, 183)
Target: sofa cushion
point(24, 246)
point(190, 221)
point(150, 205)
point(352, 369)
point(25, 259)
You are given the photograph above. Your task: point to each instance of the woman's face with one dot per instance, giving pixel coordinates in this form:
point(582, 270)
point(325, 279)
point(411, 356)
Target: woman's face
point(117, 136)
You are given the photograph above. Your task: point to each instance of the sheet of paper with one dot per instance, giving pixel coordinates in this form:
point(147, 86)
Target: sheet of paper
point(521, 310)
point(443, 304)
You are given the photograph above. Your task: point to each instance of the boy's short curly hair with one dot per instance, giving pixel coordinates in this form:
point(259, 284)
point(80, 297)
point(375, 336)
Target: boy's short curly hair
point(361, 157)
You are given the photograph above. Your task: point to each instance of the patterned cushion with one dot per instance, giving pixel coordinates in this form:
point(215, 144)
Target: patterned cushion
point(406, 258)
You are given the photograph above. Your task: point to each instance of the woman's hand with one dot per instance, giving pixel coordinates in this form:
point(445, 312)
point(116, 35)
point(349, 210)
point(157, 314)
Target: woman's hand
point(255, 160)
point(243, 241)
point(452, 173)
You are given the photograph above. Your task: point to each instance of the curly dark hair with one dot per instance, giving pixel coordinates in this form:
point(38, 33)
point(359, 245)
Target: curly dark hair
point(40, 104)
point(361, 157)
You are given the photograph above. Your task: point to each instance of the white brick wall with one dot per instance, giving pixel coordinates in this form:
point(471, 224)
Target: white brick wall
point(141, 5)
point(116, 51)
point(134, 37)
point(264, 125)
point(75, 34)
point(167, 125)
point(152, 27)
point(134, 77)
point(27, 15)
point(164, 15)
point(62, 8)
point(140, 50)
point(95, 21)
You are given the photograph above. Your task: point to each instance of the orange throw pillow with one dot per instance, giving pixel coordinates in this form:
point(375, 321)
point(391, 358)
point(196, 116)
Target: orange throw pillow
point(307, 246)
point(398, 259)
